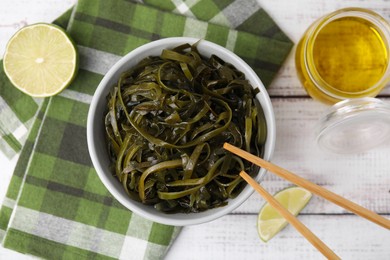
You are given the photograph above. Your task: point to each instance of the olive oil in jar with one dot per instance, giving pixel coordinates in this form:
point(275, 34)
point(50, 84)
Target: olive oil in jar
point(344, 56)
point(350, 55)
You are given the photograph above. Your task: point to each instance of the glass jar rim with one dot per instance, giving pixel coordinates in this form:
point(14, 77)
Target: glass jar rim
point(382, 25)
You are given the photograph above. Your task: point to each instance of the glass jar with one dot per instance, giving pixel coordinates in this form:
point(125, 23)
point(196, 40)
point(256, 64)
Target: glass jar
point(345, 55)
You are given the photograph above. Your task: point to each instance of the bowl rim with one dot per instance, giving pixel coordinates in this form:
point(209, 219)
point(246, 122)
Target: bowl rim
point(167, 219)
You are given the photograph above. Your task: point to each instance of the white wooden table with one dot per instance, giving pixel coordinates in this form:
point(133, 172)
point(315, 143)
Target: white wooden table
point(363, 178)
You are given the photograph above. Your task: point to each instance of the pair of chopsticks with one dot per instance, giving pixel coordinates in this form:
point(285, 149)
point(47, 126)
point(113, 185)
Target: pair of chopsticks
point(314, 188)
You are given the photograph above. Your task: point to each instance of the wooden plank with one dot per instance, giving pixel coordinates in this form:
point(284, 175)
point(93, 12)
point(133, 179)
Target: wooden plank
point(295, 16)
point(362, 178)
point(235, 237)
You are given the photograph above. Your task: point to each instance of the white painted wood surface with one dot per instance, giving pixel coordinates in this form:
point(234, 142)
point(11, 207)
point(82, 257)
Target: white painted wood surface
point(364, 178)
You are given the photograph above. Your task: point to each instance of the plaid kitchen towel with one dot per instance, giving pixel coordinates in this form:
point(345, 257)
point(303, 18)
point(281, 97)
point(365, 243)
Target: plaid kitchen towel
point(56, 207)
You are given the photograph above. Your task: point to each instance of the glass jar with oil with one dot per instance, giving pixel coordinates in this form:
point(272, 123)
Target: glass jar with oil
point(343, 58)
point(345, 55)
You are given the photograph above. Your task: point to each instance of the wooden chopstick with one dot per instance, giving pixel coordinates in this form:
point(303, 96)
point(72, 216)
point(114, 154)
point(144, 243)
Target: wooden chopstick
point(314, 188)
point(299, 226)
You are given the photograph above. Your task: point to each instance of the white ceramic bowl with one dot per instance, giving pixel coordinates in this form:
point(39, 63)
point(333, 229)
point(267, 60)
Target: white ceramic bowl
point(97, 141)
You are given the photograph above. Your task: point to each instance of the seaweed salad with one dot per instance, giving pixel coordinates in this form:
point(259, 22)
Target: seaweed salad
point(166, 122)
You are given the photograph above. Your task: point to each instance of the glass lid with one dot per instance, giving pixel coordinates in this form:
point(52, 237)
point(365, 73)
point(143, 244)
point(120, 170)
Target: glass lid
point(354, 125)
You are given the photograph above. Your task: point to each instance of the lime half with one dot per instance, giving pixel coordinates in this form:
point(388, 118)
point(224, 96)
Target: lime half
point(270, 222)
point(40, 60)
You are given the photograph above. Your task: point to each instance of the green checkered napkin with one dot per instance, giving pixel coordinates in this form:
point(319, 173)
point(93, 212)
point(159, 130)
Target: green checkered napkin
point(56, 207)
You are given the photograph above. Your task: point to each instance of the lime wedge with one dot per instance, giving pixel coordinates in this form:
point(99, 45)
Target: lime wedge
point(270, 222)
point(40, 60)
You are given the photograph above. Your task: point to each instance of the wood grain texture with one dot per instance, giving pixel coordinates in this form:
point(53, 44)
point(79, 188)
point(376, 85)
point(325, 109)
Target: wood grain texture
point(235, 237)
point(291, 219)
point(318, 190)
point(363, 178)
